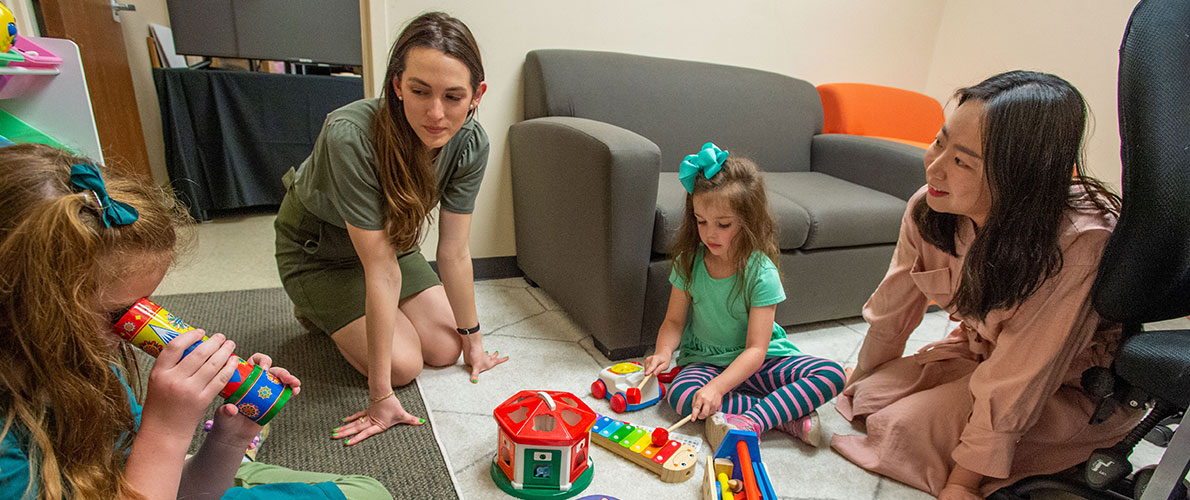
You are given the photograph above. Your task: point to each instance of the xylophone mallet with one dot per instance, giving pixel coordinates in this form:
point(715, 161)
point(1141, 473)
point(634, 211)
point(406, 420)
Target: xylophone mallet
point(661, 436)
point(633, 394)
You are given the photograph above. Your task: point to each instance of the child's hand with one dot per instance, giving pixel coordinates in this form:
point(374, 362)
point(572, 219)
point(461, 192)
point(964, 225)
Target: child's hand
point(706, 402)
point(234, 431)
point(656, 363)
point(230, 429)
point(266, 364)
point(180, 389)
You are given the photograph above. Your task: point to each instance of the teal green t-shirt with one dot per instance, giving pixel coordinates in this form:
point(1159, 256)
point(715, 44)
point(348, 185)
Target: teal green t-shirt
point(14, 454)
point(717, 324)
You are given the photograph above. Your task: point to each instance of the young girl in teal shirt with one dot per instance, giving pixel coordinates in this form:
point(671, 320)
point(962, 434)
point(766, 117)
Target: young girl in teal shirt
point(78, 246)
point(739, 368)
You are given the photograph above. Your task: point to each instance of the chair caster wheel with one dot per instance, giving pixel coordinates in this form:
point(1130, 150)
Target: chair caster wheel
point(1160, 436)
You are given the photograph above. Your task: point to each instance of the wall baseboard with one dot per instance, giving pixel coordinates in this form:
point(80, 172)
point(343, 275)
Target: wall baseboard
point(492, 268)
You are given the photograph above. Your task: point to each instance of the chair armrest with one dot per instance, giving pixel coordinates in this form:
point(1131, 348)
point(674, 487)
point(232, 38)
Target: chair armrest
point(584, 201)
point(886, 166)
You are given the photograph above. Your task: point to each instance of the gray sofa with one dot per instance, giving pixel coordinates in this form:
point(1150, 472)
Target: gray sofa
point(597, 202)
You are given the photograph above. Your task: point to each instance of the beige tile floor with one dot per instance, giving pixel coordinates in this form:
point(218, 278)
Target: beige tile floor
point(548, 351)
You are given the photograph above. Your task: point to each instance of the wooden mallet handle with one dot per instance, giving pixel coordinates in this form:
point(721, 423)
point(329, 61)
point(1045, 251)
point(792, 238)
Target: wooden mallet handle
point(661, 436)
point(633, 394)
point(643, 381)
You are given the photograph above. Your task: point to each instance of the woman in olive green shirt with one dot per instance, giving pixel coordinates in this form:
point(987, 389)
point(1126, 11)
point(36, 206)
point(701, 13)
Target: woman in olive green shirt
point(348, 228)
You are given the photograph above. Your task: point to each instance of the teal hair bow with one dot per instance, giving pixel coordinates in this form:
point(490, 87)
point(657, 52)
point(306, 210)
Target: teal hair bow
point(709, 161)
point(86, 176)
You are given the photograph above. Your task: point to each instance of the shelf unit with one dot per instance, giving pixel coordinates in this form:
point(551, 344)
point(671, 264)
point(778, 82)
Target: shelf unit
point(56, 101)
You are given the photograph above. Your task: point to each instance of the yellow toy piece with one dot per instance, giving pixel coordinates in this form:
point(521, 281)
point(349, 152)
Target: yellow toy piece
point(625, 368)
point(8, 25)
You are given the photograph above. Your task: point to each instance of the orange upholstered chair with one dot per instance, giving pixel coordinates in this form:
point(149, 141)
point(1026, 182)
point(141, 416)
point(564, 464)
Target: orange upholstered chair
point(878, 111)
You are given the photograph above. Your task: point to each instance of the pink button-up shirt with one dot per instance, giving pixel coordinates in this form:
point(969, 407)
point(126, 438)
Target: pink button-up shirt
point(1024, 353)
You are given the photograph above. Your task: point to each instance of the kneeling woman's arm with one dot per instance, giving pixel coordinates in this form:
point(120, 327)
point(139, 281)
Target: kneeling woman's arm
point(458, 278)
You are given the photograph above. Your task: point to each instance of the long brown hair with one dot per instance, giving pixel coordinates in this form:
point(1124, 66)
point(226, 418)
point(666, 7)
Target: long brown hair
point(1032, 132)
point(404, 163)
point(57, 352)
point(740, 184)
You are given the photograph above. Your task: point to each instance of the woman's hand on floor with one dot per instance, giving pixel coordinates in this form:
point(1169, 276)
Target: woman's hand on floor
point(376, 419)
point(853, 375)
point(480, 360)
point(958, 492)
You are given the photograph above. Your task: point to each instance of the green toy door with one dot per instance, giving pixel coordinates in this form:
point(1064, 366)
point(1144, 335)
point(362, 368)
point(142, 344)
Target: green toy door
point(542, 468)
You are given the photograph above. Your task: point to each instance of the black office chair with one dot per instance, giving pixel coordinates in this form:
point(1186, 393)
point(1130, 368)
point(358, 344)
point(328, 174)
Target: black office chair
point(1145, 272)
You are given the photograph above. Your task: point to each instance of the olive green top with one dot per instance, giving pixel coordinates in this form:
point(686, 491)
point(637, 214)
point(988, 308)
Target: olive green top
point(338, 182)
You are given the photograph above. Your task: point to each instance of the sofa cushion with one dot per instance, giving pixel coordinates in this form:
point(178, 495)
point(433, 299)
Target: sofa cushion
point(841, 214)
point(792, 221)
point(679, 105)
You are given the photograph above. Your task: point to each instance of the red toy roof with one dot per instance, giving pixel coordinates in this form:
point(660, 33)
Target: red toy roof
point(545, 416)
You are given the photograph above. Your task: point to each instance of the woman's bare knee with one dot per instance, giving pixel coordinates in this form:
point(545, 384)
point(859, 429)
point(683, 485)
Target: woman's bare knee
point(404, 373)
point(443, 354)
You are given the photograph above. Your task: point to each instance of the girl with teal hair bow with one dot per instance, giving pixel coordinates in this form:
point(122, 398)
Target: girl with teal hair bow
point(78, 245)
point(726, 287)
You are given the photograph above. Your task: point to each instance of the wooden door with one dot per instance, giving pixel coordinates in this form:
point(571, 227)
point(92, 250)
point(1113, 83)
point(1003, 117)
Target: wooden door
point(90, 25)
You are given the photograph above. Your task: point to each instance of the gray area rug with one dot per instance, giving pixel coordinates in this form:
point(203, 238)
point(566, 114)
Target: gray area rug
point(406, 459)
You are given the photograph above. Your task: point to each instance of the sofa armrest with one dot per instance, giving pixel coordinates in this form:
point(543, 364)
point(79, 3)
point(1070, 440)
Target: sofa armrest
point(584, 201)
point(886, 166)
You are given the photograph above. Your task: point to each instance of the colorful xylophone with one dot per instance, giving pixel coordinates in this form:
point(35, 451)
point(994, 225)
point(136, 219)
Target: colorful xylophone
point(674, 461)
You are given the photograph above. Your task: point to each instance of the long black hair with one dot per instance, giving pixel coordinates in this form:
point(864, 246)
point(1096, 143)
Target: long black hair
point(1032, 131)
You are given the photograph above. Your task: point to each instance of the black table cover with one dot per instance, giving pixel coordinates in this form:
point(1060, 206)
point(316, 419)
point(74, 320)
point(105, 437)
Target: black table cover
point(230, 135)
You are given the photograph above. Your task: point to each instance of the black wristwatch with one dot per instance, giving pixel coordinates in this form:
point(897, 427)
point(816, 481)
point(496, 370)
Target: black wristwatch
point(468, 331)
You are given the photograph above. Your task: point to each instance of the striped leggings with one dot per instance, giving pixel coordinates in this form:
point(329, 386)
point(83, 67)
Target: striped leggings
point(791, 387)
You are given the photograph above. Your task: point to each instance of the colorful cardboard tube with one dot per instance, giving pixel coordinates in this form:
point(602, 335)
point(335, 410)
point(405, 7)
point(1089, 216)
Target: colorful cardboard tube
point(257, 394)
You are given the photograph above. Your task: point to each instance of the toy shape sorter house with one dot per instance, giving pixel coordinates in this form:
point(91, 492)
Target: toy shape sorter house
point(543, 444)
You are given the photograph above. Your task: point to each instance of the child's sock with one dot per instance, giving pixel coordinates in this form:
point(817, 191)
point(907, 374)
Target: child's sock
point(719, 423)
point(808, 428)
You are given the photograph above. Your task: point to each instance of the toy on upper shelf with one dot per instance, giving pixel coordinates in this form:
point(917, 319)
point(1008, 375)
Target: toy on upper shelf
point(16, 50)
point(9, 35)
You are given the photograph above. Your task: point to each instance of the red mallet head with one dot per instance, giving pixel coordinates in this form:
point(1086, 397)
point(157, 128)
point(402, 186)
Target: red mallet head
point(660, 436)
point(633, 393)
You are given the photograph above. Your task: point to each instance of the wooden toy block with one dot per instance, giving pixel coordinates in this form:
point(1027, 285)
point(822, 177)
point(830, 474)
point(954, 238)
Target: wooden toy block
point(709, 483)
point(738, 457)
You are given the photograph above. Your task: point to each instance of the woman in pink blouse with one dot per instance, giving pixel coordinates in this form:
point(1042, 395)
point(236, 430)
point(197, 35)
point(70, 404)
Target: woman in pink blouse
point(1007, 241)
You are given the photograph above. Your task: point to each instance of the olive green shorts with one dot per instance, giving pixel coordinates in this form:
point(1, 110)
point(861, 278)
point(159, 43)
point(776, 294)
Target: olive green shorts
point(323, 275)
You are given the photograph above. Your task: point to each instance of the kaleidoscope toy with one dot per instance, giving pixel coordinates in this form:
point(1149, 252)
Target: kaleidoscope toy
point(257, 394)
